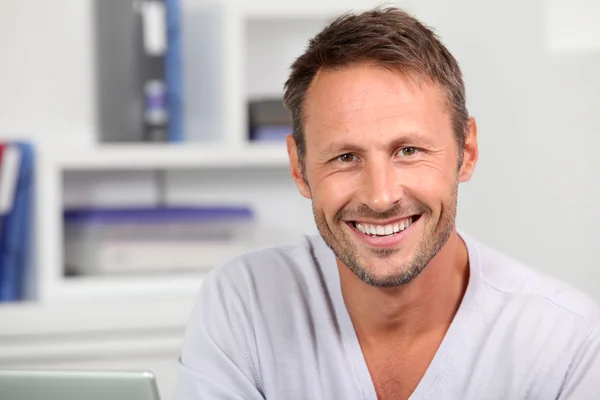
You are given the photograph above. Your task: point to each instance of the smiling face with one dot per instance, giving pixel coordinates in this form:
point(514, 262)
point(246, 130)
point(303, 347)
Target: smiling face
point(381, 168)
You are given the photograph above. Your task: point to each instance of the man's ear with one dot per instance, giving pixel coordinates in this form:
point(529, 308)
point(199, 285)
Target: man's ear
point(470, 151)
point(296, 167)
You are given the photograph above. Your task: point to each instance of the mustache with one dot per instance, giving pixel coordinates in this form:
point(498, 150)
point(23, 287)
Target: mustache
point(397, 210)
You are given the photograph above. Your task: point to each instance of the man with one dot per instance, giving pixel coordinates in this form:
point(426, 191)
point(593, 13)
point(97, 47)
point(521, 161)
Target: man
point(390, 302)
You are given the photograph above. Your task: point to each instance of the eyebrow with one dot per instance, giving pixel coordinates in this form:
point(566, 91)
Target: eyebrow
point(343, 147)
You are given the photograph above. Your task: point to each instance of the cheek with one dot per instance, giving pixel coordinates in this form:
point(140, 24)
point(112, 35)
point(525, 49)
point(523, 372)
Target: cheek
point(432, 186)
point(331, 195)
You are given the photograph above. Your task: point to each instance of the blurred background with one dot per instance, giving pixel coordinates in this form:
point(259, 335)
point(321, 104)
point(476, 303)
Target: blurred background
point(142, 144)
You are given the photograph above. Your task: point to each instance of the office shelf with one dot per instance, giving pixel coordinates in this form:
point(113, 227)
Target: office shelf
point(48, 282)
point(171, 156)
point(132, 286)
point(91, 316)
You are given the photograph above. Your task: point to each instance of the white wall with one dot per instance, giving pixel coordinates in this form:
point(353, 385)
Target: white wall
point(536, 95)
point(46, 72)
point(531, 73)
point(573, 26)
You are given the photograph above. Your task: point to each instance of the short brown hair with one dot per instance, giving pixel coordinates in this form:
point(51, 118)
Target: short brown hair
point(386, 37)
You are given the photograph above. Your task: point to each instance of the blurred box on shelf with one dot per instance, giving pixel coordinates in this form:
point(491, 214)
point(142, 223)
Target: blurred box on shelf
point(161, 239)
point(269, 120)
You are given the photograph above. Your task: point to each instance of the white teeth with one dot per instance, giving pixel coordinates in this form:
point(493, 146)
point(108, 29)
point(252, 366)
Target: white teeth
point(381, 230)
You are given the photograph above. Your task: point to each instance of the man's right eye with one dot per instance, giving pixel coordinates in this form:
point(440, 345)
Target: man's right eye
point(347, 158)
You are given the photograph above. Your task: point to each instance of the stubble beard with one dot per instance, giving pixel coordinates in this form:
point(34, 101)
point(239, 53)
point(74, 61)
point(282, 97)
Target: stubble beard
point(435, 235)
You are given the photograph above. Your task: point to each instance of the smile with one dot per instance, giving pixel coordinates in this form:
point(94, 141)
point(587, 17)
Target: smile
point(389, 229)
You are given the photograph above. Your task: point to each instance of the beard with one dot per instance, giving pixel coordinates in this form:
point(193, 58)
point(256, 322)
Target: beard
point(436, 232)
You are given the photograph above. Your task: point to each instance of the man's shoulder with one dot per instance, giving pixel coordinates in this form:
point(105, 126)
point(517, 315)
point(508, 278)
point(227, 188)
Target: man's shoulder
point(525, 284)
point(273, 269)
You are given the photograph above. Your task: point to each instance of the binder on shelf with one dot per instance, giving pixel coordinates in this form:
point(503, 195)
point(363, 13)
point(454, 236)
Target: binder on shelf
point(15, 236)
point(138, 70)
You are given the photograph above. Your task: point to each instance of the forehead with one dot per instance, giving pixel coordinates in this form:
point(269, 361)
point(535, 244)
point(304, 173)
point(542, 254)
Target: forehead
point(368, 99)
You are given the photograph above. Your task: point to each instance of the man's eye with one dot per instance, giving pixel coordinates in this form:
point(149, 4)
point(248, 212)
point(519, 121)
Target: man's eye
point(347, 158)
point(407, 151)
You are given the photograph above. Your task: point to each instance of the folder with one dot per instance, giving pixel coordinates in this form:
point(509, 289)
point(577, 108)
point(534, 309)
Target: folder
point(16, 227)
point(132, 47)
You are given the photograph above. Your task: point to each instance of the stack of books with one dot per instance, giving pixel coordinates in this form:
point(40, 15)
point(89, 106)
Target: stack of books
point(16, 190)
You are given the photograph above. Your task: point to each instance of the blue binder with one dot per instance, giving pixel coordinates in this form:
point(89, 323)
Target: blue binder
point(15, 239)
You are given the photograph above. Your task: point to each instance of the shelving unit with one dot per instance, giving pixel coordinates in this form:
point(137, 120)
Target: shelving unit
point(50, 284)
point(240, 49)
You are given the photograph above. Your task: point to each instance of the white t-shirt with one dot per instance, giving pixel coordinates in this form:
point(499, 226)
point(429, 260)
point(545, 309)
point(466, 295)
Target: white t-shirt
point(273, 325)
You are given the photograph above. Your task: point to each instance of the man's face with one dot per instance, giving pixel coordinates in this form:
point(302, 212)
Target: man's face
point(381, 168)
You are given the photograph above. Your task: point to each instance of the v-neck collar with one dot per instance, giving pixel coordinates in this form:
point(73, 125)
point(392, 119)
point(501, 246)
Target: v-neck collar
point(443, 360)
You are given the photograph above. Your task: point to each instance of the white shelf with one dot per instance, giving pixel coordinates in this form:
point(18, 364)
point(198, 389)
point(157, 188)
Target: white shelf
point(105, 334)
point(47, 283)
point(170, 156)
point(139, 286)
point(21, 320)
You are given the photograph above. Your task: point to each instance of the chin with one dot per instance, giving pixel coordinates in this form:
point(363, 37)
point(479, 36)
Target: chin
point(389, 280)
point(396, 272)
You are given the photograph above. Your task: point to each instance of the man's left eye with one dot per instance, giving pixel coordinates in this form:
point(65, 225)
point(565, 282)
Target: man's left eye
point(407, 151)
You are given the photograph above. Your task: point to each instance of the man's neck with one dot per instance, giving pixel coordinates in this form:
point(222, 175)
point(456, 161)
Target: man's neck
point(425, 305)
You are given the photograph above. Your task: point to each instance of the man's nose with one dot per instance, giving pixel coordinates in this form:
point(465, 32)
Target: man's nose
point(381, 186)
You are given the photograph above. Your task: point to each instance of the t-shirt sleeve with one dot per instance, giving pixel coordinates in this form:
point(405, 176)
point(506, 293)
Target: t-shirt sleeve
point(583, 378)
point(215, 363)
